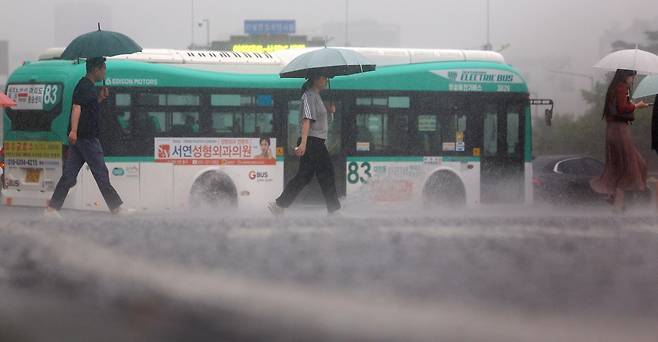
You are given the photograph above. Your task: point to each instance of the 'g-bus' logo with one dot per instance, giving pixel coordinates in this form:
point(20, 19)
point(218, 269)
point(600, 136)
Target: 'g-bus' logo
point(260, 176)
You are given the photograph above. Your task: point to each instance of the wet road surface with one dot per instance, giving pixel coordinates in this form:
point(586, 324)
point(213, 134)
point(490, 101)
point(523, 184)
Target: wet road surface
point(505, 274)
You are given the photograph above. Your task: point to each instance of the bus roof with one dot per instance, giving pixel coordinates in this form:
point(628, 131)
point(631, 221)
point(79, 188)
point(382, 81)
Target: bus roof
point(398, 69)
point(435, 76)
point(277, 60)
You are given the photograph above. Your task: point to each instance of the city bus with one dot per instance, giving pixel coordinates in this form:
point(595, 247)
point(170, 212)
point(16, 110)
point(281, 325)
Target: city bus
point(437, 128)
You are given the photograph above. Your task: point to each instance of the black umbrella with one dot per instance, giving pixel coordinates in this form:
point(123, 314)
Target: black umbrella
point(100, 44)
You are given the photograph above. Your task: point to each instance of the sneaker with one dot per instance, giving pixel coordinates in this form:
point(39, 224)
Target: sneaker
point(52, 214)
point(335, 213)
point(121, 211)
point(275, 209)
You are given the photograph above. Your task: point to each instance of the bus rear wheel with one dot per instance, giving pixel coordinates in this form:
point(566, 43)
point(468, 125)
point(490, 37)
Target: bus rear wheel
point(213, 189)
point(444, 189)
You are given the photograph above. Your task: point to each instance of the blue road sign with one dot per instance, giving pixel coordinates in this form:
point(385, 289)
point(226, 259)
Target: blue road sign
point(256, 27)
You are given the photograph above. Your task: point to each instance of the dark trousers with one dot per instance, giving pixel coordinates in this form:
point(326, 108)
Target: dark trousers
point(316, 161)
point(85, 151)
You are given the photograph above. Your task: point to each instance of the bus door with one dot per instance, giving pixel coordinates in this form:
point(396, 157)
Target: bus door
point(312, 193)
point(379, 126)
point(502, 164)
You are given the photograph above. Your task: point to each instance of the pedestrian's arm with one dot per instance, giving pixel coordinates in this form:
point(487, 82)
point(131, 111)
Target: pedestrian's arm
point(331, 107)
point(624, 106)
point(301, 149)
point(640, 105)
point(306, 126)
point(75, 120)
point(103, 94)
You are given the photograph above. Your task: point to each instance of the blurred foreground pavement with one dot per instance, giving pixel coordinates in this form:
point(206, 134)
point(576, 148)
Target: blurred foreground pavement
point(494, 275)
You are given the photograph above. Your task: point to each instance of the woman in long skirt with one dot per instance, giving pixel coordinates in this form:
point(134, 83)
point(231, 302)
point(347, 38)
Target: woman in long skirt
point(625, 169)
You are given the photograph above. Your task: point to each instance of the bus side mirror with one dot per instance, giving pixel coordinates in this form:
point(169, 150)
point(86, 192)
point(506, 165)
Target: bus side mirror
point(548, 116)
point(548, 112)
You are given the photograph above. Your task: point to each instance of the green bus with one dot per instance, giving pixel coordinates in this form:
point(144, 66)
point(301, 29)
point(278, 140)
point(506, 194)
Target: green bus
point(184, 128)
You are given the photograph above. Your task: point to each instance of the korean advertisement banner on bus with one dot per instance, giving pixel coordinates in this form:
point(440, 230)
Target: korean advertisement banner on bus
point(37, 163)
point(216, 151)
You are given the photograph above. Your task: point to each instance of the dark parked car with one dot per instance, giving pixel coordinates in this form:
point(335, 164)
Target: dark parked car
point(564, 180)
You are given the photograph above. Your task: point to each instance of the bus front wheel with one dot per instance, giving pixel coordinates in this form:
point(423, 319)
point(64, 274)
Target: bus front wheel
point(444, 189)
point(213, 189)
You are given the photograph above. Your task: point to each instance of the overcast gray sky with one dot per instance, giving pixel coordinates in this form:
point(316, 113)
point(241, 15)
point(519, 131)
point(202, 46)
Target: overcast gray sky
point(546, 34)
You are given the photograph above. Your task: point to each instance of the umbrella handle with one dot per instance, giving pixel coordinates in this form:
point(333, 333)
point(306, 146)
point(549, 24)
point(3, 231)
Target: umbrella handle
point(331, 98)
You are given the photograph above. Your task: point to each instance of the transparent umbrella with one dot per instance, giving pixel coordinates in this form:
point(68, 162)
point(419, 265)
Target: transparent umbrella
point(647, 87)
point(328, 62)
point(632, 59)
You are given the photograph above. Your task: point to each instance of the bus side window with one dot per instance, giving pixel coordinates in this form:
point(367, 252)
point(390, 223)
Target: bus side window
point(370, 129)
point(184, 124)
point(122, 100)
point(123, 118)
point(149, 124)
point(122, 103)
point(147, 99)
point(293, 122)
point(398, 133)
point(264, 123)
point(384, 127)
point(257, 123)
point(242, 115)
point(249, 123)
point(454, 131)
point(334, 132)
point(429, 134)
point(224, 122)
point(490, 131)
point(513, 131)
point(157, 121)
